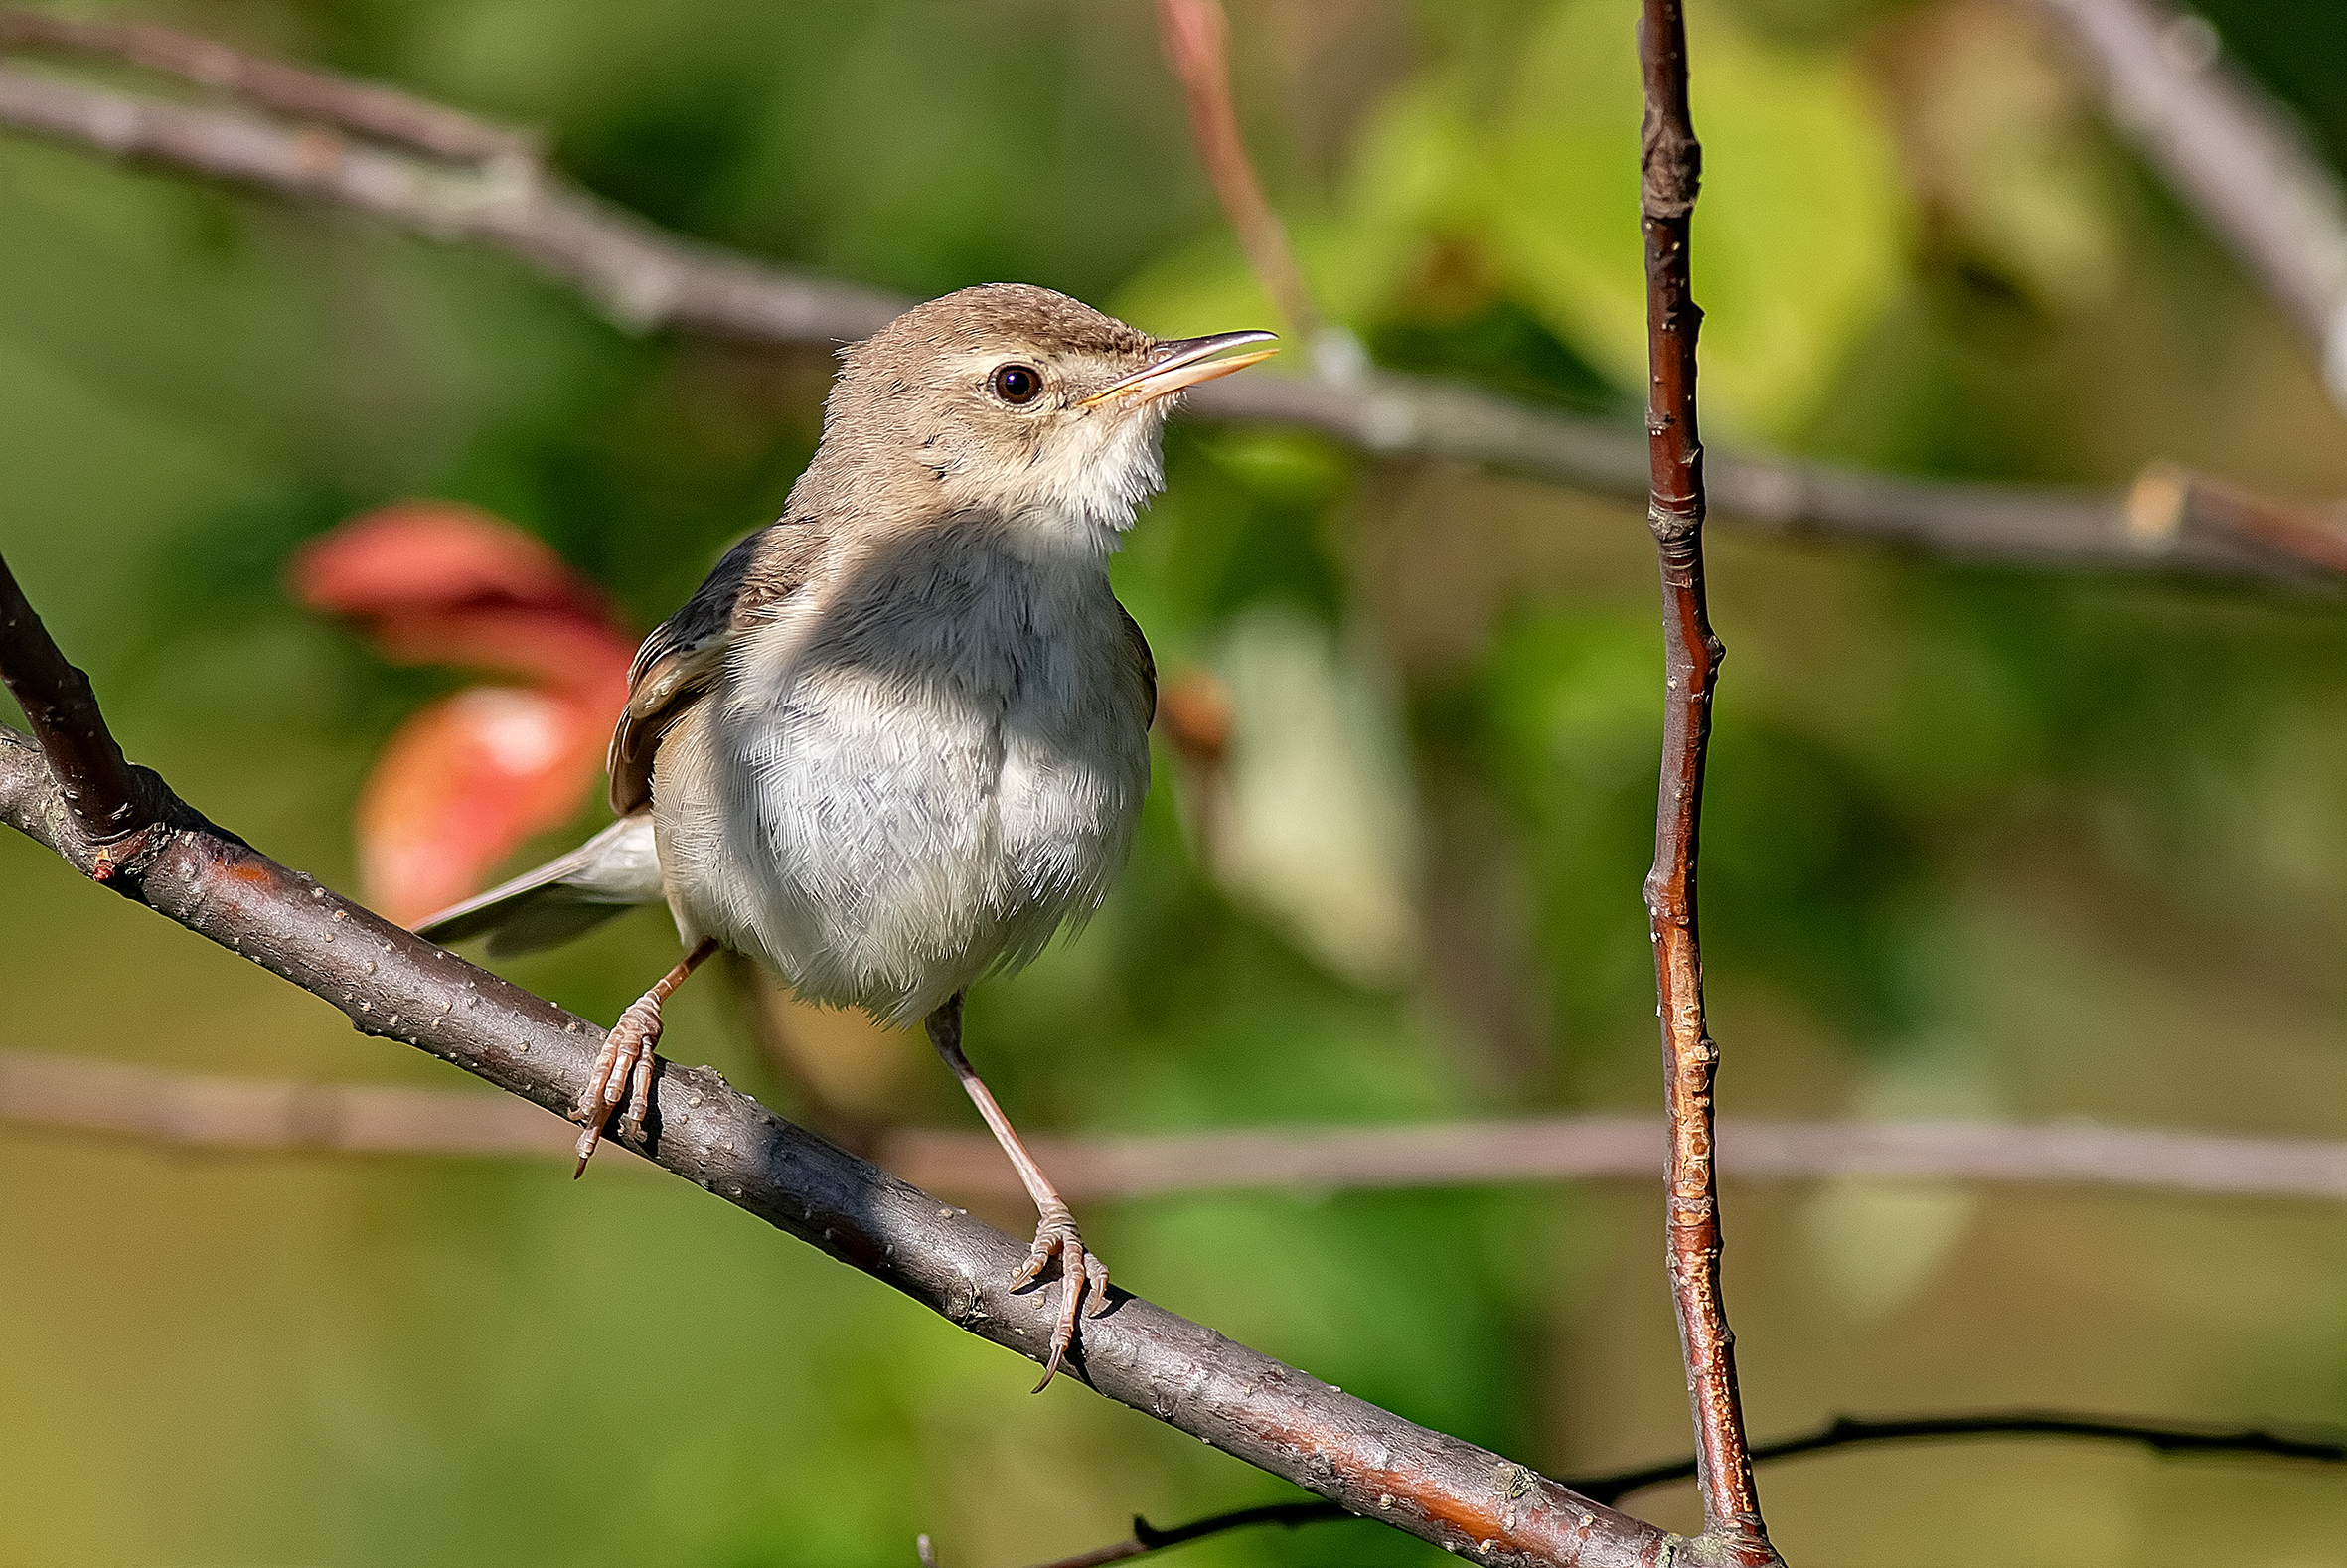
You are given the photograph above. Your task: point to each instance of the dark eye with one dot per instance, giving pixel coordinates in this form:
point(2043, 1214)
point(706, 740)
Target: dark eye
point(1017, 383)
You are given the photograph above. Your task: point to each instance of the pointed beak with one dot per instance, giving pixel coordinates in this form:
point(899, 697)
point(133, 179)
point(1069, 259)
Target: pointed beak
point(1185, 362)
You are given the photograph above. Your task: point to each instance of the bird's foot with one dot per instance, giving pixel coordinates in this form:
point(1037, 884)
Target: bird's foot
point(1081, 1274)
point(622, 1075)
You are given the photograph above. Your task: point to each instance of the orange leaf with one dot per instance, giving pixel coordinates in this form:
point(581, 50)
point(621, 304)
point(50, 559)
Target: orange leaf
point(462, 784)
point(467, 780)
point(583, 658)
point(416, 556)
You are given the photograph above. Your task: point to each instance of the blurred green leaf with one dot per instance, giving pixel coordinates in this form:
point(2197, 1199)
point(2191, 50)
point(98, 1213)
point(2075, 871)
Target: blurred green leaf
point(1798, 235)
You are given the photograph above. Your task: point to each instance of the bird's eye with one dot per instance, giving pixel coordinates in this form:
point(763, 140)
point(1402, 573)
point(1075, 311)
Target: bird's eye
point(1017, 383)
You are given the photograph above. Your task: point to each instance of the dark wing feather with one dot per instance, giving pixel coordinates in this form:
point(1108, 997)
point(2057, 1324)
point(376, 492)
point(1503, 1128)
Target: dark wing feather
point(1144, 662)
point(681, 659)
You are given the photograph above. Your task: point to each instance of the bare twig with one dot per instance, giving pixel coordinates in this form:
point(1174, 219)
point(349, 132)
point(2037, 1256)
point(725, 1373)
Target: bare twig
point(1146, 1539)
point(393, 984)
point(646, 278)
point(1670, 165)
point(2231, 153)
point(197, 1111)
point(2162, 1438)
point(1196, 38)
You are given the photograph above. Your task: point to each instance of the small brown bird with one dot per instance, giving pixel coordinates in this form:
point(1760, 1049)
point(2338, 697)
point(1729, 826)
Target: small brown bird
point(901, 737)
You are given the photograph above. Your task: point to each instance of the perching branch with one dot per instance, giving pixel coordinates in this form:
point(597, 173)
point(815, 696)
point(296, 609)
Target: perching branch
point(92, 778)
point(2231, 153)
point(1670, 164)
point(393, 984)
point(647, 279)
point(198, 1111)
point(2163, 1439)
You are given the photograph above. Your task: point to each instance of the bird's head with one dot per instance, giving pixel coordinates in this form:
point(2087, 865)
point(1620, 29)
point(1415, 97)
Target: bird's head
point(1014, 402)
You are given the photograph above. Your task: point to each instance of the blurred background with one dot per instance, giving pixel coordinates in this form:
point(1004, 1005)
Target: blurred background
point(1981, 842)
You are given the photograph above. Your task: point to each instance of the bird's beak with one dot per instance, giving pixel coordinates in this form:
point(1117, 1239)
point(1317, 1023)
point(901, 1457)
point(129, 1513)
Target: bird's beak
point(1184, 362)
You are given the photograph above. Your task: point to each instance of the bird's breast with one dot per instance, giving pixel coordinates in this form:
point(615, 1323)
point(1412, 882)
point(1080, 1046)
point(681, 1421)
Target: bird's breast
point(916, 776)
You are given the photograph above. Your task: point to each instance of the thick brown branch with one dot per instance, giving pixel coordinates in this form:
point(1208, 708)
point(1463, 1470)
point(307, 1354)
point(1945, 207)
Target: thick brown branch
point(2232, 153)
point(393, 984)
point(647, 279)
point(1671, 166)
point(201, 1110)
point(94, 781)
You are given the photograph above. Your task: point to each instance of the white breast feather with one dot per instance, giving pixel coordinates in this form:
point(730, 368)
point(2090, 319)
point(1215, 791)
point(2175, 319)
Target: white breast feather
point(919, 779)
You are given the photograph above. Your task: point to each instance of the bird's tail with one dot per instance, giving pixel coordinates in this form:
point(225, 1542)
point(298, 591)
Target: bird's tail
point(607, 875)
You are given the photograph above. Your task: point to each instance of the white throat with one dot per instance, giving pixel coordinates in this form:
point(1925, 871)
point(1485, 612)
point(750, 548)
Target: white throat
point(1082, 487)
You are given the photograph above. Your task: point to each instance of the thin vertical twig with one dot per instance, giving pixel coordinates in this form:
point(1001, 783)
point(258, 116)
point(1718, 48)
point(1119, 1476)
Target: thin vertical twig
point(1671, 163)
point(1196, 38)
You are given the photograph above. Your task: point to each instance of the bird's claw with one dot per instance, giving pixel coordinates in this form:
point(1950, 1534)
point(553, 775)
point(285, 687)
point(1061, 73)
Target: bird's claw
point(1082, 1274)
point(622, 1075)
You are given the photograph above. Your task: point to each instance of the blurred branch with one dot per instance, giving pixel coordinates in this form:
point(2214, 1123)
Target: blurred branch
point(646, 278)
point(194, 1111)
point(642, 275)
point(2231, 153)
point(393, 984)
point(1197, 39)
point(1671, 168)
point(1569, 1148)
point(203, 1111)
point(362, 108)
point(1841, 1432)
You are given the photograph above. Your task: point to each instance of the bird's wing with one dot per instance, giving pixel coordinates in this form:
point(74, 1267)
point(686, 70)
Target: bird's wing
point(683, 658)
point(608, 875)
point(1144, 663)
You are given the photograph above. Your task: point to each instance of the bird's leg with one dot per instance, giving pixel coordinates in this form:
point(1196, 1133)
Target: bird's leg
point(623, 1068)
point(1055, 1226)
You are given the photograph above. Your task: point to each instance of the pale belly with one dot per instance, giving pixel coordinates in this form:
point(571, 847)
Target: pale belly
point(884, 822)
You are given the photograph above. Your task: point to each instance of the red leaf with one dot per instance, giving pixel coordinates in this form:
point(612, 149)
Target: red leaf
point(463, 783)
point(467, 780)
point(546, 648)
point(416, 556)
